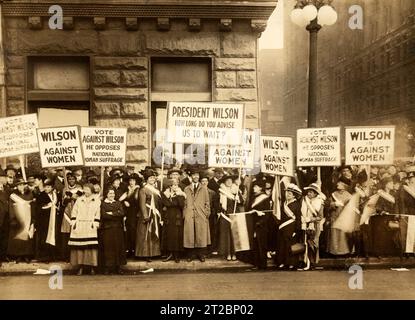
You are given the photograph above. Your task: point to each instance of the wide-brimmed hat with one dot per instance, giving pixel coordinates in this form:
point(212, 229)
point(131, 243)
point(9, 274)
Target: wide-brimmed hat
point(260, 183)
point(93, 180)
point(193, 170)
point(228, 176)
point(218, 170)
point(174, 170)
point(315, 187)
point(48, 182)
point(135, 177)
point(344, 180)
point(19, 181)
point(342, 167)
point(114, 177)
point(294, 189)
point(113, 171)
point(147, 173)
point(10, 167)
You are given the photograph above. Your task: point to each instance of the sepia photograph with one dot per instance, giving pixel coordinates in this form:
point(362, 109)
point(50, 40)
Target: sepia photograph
point(207, 154)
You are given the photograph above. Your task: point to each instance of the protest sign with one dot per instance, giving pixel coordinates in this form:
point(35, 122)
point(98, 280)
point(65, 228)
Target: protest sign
point(318, 147)
point(205, 123)
point(231, 156)
point(104, 146)
point(60, 147)
point(277, 155)
point(18, 135)
point(370, 145)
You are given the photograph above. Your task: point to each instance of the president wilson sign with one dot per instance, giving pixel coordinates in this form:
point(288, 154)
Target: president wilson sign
point(205, 123)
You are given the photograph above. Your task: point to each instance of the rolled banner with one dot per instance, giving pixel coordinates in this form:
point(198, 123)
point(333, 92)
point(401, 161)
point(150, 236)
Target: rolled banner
point(242, 228)
point(369, 209)
point(346, 221)
point(22, 211)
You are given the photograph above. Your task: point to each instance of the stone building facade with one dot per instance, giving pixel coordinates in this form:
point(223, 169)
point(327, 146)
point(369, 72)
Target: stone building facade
point(117, 63)
point(365, 77)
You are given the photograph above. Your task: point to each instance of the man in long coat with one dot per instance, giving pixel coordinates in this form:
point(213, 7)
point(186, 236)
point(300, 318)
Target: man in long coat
point(196, 218)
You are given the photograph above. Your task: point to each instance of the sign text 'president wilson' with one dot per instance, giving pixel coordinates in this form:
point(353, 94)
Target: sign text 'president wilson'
point(277, 155)
point(60, 147)
point(205, 123)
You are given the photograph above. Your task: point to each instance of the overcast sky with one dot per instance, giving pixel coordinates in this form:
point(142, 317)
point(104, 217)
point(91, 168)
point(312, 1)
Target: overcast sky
point(272, 37)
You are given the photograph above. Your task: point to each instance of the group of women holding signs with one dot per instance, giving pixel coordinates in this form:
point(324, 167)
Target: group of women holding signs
point(194, 212)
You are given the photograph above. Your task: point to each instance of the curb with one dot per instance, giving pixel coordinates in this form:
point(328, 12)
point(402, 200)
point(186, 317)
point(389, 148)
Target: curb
point(211, 265)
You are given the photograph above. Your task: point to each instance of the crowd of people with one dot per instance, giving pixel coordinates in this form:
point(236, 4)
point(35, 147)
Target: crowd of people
point(186, 213)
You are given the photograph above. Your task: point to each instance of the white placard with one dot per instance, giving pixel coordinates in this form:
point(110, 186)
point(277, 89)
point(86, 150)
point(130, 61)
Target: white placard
point(205, 123)
point(277, 155)
point(318, 147)
point(18, 135)
point(231, 156)
point(370, 145)
point(104, 146)
point(60, 147)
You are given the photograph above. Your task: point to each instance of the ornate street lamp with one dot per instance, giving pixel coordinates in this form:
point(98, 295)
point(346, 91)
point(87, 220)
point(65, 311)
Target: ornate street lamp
point(313, 14)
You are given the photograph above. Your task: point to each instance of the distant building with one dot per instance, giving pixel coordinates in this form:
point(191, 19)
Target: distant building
point(366, 77)
point(271, 85)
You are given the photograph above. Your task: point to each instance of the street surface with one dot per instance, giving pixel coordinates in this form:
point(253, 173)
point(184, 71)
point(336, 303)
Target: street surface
point(377, 284)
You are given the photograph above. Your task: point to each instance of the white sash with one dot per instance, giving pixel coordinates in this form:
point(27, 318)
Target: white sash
point(52, 219)
point(411, 192)
point(225, 217)
point(224, 196)
point(155, 217)
point(259, 199)
point(289, 213)
point(387, 196)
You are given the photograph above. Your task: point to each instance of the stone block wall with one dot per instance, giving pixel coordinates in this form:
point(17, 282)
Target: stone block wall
point(120, 67)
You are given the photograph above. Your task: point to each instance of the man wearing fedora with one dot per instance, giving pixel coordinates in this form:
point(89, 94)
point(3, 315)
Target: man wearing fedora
point(214, 182)
point(196, 218)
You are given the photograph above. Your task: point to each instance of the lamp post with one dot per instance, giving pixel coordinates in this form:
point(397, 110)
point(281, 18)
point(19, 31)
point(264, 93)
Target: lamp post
point(313, 14)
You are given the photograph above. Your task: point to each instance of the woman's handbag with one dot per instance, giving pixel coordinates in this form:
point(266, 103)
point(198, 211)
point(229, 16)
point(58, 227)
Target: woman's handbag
point(297, 248)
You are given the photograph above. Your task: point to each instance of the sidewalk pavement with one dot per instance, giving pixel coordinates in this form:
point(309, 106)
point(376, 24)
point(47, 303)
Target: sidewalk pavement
point(212, 265)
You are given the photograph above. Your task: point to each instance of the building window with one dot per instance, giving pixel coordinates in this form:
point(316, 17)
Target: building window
point(177, 79)
point(58, 90)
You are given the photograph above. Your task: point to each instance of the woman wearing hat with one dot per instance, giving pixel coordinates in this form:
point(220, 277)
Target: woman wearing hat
point(261, 207)
point(85, 221)
point(22, 215)
point(149, 218)
point(230, 198)
point(46, 202)
point(312, 215)
point(174, 200)
point(112, 234)
point(338, 241)
point(289, 229)
point(131, 204)
point(386, 204)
